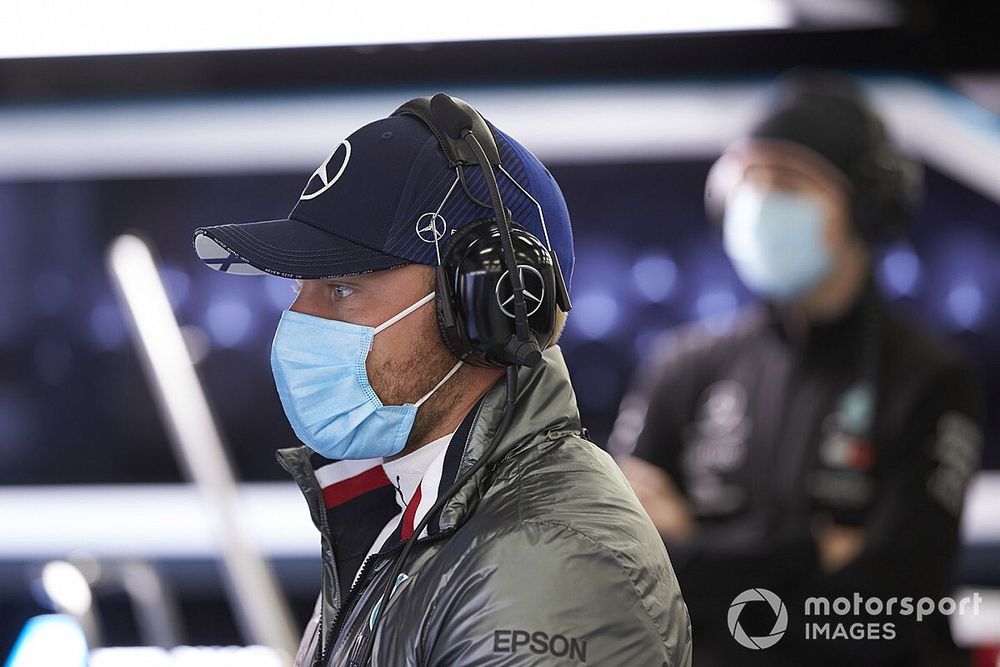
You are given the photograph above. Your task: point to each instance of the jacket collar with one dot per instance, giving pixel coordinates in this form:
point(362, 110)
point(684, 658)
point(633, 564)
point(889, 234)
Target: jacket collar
point(545, 402)
point(836, 340)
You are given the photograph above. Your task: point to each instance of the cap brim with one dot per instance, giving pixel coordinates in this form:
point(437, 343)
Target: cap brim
point(288, 248)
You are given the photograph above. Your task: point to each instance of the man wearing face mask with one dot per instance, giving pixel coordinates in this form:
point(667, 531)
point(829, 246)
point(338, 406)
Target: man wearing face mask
point(822, 446)
point(464, 519)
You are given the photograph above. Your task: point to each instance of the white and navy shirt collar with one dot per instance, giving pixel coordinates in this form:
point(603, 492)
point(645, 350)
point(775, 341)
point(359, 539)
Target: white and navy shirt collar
point(360, 498)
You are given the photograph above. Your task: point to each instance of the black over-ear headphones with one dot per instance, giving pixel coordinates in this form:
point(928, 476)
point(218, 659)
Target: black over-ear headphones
point(497, 285)
point(497, 290)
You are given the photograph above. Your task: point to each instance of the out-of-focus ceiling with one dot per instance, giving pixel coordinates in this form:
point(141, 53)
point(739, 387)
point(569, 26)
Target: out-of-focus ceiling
point(930, 36)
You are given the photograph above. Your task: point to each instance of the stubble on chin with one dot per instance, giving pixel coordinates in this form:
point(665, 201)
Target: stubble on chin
point(410, 374)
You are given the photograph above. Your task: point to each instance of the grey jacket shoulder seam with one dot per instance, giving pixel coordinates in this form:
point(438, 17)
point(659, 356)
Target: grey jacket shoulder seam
point(486, 538)
point(625, 570)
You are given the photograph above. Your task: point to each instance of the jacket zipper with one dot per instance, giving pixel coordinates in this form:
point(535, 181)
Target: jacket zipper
point(363, 576)
point(352, 596)
point(323, 645)
point(366, 570)
point(348, 603)
point(430, 539)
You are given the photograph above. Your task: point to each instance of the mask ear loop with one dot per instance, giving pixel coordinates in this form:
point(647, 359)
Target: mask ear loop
point(454, 369)
point(403, 313)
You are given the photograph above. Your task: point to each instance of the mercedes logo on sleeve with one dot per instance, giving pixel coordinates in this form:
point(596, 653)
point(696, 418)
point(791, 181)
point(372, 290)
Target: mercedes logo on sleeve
point(321, 180)
point(534, 290)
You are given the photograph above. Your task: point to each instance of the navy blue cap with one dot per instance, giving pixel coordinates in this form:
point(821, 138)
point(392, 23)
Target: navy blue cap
point(370, 206)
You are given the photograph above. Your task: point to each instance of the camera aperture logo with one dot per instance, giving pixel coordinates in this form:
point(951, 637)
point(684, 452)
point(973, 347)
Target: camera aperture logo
point(780, 618)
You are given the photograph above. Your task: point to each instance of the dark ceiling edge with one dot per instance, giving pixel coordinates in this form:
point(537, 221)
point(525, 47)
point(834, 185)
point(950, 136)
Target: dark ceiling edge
point(945, 47)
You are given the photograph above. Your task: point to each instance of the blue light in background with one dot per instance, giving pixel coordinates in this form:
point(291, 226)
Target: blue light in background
point(965, 303)
point(228, 322)
point(654, 275)
point(601, 298)
point(647, 340)
point(595, 314)
point(15, 415)
point(598, 384)
point(280, 291)
point(716, 308)
point(52, 291)
point(601, 260)
point(177, 283)
point(107, 325)
point(962, 267)
point(7, 322)
point(899, 271)
point(53, 361)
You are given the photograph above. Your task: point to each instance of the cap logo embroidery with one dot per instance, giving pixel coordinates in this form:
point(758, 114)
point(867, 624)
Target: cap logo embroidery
point(428, 228)
point(323, 173)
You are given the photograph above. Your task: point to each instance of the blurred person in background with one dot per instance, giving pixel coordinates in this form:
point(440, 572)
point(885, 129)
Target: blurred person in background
point(822, 446)
point(464, 520)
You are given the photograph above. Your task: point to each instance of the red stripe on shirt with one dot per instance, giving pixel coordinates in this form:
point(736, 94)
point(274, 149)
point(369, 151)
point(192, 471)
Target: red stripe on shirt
point(410, 514)
point(352, 487)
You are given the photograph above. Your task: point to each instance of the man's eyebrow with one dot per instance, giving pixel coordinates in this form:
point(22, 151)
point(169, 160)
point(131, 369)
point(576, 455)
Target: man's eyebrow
point(344, 280)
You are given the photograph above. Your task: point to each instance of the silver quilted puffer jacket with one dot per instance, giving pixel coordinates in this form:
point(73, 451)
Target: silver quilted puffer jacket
point(544, 558)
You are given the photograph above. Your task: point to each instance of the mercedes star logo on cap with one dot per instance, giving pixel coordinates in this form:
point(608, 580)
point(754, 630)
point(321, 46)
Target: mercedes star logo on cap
point(428, 228)
point(323, 173)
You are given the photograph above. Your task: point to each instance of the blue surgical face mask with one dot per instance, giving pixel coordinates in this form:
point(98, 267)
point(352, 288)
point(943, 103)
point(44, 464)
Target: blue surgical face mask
point(319, 370)
point(775, 241)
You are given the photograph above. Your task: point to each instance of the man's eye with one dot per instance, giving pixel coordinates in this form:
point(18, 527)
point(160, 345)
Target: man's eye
point(342, 291)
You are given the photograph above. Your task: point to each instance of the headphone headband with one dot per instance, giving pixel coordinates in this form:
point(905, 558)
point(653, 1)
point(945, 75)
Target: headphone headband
point(468, 313)
point(449, 118)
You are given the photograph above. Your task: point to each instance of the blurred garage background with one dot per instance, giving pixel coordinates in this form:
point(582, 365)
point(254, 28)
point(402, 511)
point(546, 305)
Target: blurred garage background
point(158, 119)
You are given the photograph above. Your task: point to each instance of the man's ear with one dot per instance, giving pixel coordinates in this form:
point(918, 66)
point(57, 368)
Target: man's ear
point(560, 324)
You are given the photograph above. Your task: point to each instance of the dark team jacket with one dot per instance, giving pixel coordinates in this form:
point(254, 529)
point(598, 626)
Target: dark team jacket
point(547, 559)
point(865, 421)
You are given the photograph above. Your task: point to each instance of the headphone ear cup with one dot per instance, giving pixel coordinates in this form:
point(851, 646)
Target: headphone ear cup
point(452, 315)
point(448, 325)
point(475, 309)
